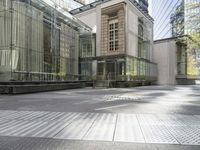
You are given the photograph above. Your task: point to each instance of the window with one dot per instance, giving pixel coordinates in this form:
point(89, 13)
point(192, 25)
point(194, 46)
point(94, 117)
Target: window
point(113, 35)
point(141, 50)
point(140, 31)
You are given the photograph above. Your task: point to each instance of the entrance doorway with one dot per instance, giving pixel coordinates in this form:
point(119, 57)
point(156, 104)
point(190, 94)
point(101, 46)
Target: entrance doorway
point(110, 70)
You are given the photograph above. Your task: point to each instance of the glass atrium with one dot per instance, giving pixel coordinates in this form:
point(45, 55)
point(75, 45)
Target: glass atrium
point(39, 41)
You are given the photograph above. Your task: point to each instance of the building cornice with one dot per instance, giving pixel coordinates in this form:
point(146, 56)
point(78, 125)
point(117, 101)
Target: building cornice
point(94, 4)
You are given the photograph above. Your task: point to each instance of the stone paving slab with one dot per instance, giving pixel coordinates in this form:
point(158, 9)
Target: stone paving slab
point(29, 143)
point(103, 128)
point(78, 128)
point(133, 128)
point(128, 129)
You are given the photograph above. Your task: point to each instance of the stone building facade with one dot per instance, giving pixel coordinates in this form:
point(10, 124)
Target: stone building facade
point(123, 34)
point(116, 12)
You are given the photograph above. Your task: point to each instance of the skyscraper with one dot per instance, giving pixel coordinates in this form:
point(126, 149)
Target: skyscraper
point(185, 19)
point(177, 21)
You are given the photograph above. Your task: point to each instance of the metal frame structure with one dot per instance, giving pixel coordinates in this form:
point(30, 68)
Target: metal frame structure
point(39, 41)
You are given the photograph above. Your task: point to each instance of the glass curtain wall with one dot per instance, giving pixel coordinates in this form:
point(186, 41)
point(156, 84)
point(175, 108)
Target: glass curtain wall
point(181, 58)
point(185, 23)
point(73, 4)
point(144, 35)
point(39, 41)
point(140, 69)
point(87, 53)
point(192, 29)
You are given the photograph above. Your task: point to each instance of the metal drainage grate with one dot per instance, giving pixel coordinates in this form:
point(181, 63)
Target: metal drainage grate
point(122, 98)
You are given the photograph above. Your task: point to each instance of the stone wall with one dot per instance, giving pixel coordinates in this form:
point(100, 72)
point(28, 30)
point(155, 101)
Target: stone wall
point(119, 10)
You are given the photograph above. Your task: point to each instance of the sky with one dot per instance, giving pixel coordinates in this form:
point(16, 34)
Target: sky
point(150, 7)
point(161, 11)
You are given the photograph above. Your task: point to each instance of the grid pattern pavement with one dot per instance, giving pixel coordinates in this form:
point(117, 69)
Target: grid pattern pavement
point(136, 128)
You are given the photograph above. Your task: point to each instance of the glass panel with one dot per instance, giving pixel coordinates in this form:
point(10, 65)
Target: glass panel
point(137, 68)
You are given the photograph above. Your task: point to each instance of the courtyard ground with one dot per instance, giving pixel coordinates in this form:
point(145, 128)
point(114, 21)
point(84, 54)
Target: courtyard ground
point(142, 118)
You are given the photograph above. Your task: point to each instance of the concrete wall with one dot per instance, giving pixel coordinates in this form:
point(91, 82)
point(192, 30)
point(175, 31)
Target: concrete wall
point(164, 54)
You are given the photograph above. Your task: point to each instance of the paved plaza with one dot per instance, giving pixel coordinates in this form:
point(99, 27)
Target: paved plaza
point(142, 118)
